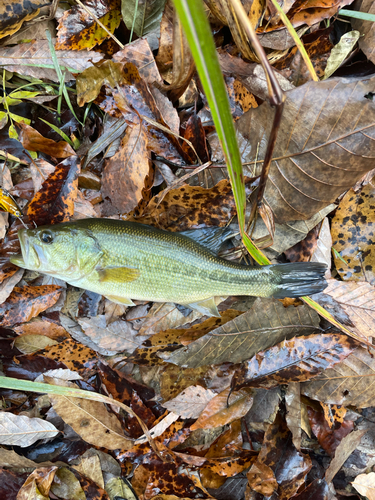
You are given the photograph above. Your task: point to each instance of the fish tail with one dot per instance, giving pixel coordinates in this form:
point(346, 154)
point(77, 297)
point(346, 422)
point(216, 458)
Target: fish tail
point(298, 279)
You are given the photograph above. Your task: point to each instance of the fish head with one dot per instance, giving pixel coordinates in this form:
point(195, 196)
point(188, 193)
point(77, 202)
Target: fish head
point(61, 250)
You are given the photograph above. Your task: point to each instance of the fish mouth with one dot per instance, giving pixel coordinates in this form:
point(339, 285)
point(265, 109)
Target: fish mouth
point(29, 258)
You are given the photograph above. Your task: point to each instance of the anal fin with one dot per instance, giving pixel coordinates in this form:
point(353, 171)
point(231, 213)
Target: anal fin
point(206, 307)
point(120, 300)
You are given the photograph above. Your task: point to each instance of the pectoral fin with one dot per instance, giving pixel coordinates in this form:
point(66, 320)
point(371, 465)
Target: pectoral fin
point(118, 274)
point(206, 307)
point(120, 300)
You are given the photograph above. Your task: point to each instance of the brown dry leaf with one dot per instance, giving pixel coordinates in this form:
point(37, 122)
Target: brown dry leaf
point(218, 413)
point(13, 13)
point(42, 327)
point(116, 337)
point(40, 169)
point(264, 325)
point(190, 207)
point(78, 30)
point(19, 430)
point(54, 202)
point(140, 54)
point(366, 28)
point(27, 302)
point(353, 235)
point(294, 360)
point(356, 299)
point(174, 380)
point(124, 174)
point(162, 317)
point(365, 485)
point(28, 344)
point(293, 415)
point(90, 467)
point(262, 479)
point(343, 451)
point(351, 382)
point(92, 421)
point(34, 141)
point(39, 480)
point(7, 286)
point(18, 57)
point(191, 402)
point(319, 154)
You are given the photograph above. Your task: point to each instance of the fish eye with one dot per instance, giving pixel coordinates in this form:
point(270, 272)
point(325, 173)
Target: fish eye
point(46, 237)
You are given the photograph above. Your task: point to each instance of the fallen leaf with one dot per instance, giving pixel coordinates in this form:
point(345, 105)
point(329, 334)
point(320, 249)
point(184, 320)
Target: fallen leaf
point(293, 412)
point(90, 467)
point(66, 485)
point(351, 382)
point(124, 174)
point(262, 479)
point(343, 451)
point(33, 141)
point(224, 409)
point(116, 337)
point(143, 17)
point(265, 324)
point(27, 302)
point(78, 29)
point(352, 235)
point(341, 51)
point(74, 355)
point(92, 421)
point(366, 28)
point(365, 485)
point(14, 14)
point(319, 148)
point(191, 402)
point(38, 483)
point(30, 343)
point(54, 202)
point(42, 327)
point(19, 430)
point(294, 360)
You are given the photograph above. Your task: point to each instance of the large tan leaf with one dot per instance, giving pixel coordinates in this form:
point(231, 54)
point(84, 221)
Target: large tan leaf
point(29, 59)
point(190, 402)
point(365, 485)
point(324, 145)
point(357, 299)
point(92, 421)
point(264, 325)
point(19, 430)
point(351, 382)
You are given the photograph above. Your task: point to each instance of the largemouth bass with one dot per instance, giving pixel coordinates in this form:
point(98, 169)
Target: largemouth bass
point(125, 260)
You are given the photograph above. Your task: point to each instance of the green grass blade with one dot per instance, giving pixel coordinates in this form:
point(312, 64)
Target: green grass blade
point(365, 16)
point(60, 132)
point(198, 33)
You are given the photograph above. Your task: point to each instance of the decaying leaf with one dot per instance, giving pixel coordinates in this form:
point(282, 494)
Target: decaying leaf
point(341, 51)
point(27, 302)
point(19, 430)
point(143, 17)
point(351, 382)
point(265, 324)
point(92, 421)
point(353, 236)
point(191, 402)
point(34, 141)
point(365, 28)
point(14, 14)
point(365, 485)
point(54, 202)
point(294, 360)
point(319, 154)
point(124, 174)
point(32, 343)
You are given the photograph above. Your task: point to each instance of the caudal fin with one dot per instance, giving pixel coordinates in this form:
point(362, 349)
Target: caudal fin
point(298, 279)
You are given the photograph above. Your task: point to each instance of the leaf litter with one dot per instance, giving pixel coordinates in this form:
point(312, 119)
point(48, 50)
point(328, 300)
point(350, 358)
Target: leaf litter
point(267, 397)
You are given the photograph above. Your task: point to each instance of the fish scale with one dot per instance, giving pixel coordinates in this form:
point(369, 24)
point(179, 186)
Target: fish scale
point(125, 260)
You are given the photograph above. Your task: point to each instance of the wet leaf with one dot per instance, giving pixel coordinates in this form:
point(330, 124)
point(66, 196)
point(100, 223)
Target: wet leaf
point(191, 402)
point(365, 485)
point(294, 360)
point(218, 413)
point(294, 413)
point(66, 485)
point(33, 141)
point(27, 302)
point(143, 17)
point(14, 13)
point(78, 29)
point(300, 149)
point(366, 29)
point(341, 51)
point(37, 485)
point(262, 479)
point(350, 382)
point(124, 174)
point(42, 327)
point(353, 236)
point(329, 437)
point(92, 421)
point(265, 324)
point(74, 355)
point(54, 202)
point(19, 430)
